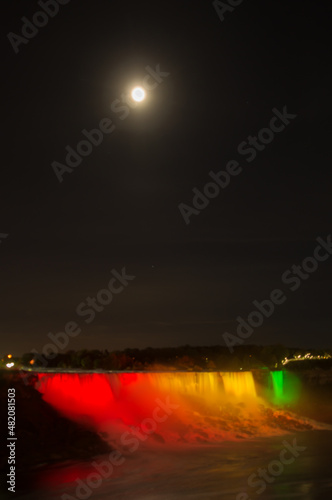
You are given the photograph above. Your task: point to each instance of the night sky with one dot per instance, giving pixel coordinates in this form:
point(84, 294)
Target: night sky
point(119, 208)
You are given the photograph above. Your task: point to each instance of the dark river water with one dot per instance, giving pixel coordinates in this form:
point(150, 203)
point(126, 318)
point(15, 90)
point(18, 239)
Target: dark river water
point(266, 468)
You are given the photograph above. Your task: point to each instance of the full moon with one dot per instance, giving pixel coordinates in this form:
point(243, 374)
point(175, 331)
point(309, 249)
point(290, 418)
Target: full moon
point(138, 94)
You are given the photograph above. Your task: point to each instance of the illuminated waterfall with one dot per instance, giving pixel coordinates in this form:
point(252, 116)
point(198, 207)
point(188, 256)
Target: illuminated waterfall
point(209, 406)
point(102, 394)
point(239, 384)
point(286, 387)
point(278, 385)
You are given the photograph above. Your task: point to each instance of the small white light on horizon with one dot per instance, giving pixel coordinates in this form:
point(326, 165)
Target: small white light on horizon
point(138, 94)
point(9, 365)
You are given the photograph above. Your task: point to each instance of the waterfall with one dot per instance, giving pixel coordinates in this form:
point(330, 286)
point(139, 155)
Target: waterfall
point(278, 385)
point(239, 384)
point(99, 397)
point(178, 406)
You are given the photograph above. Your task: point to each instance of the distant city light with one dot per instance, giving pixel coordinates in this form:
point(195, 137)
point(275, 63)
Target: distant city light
point(9, 365)
point(305, 357)
point(9, 356)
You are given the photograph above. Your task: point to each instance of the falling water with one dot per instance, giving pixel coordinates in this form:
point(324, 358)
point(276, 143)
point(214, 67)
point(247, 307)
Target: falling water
point(205, 406)
point(239, 384)
point(278, 385)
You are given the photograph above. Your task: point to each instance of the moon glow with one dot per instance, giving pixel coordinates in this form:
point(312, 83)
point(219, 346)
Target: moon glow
point(138, 94)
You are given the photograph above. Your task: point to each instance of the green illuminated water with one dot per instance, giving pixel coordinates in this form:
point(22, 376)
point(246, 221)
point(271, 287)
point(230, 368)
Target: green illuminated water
point(278, 386)
point(286, 387)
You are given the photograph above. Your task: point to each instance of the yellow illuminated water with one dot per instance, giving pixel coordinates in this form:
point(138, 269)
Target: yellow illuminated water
point(207, 384)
